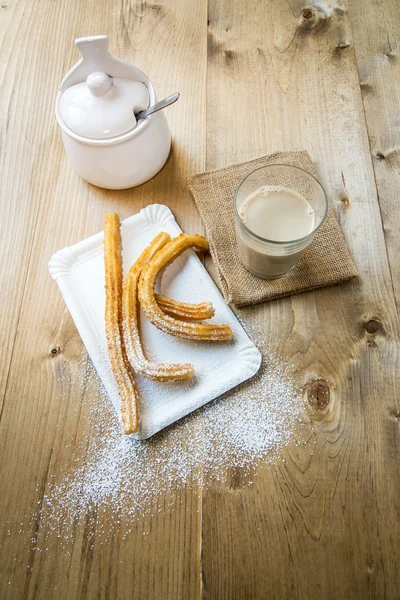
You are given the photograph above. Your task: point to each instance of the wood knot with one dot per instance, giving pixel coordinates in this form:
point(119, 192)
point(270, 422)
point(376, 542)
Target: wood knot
point(345, 201)
point(312, 20)
point(372, 326)
point(366, 87)
point(380, 156)
point(230, 56)
point(318, 394)
point(320, 399)
point(389, 52)
point(307, 14)
point(395, 413)
point(56, 350)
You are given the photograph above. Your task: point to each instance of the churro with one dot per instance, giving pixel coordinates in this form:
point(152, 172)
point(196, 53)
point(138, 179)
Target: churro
point(168, 324)
point(130, 322)
point(184, 310)
point(113, 314)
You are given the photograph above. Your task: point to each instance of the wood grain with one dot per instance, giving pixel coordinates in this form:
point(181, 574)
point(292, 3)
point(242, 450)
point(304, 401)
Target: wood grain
point(377, 45)
point(48, 206)
point(254, 77)
point(310, 527)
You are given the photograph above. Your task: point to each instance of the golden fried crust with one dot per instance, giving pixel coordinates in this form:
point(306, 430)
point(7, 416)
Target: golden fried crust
point(183, 310)
point(168, 324)
point(130, 322)
point(113, 317)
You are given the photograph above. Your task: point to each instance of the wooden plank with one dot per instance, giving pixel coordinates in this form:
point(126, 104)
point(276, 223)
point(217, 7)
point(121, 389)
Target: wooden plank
point(19, 135)
point(324, 523)
point(47, 206)
point(376, 34)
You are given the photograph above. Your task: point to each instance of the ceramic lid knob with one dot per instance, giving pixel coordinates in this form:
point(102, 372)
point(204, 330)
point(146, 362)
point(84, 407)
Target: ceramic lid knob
point(99, 83)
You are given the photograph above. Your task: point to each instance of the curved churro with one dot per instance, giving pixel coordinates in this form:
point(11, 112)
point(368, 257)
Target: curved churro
point(176, 327)
point(183, 310)
point(130, 323)
point(116, 350)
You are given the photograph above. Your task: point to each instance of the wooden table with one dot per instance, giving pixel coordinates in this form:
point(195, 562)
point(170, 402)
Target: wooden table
point(254, 77)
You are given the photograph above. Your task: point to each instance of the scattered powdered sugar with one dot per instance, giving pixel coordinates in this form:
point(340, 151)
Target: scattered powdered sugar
point(246, 427)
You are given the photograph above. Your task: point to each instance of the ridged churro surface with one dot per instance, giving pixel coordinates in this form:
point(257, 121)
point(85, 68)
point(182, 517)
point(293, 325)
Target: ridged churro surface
point(113, 322)
point(184, 310)
point(148, 302)
point(131, 326)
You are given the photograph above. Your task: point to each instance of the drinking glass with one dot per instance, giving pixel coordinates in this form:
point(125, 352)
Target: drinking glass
point(266, 258)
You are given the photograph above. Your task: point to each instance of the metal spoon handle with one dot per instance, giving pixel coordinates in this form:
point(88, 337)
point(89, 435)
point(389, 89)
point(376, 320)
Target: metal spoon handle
point(158, 106)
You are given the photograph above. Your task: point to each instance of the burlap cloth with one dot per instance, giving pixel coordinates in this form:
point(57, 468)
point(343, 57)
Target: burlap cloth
point(325, 262)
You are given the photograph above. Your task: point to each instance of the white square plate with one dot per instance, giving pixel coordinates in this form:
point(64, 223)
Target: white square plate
point(79, 272)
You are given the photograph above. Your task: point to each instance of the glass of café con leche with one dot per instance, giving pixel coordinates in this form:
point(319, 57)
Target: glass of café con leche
point(278, 211)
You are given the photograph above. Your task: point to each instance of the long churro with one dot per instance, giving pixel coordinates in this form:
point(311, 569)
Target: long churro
point(184, 310)
point(130, 322)
point(168, 324)
point(113, 314)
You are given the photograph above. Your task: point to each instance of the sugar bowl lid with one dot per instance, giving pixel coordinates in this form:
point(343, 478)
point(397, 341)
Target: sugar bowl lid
point(103, 106)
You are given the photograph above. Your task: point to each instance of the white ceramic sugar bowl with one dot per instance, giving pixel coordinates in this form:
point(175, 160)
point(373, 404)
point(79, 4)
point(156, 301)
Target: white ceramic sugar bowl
point(96, 108)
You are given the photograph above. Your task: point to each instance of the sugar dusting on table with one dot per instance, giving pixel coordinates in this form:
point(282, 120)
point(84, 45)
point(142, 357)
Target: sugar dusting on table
point(126, 478)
